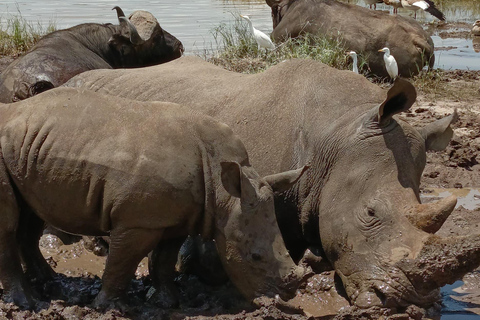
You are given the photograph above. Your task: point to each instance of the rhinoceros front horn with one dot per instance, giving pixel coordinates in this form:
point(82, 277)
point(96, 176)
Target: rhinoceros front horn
point(134, 36)
point(442, 261)
point(430, 217)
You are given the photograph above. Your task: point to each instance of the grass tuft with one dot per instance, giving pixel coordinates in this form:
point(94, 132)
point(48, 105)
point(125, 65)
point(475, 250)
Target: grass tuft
point(17, 35)
point(238, 51)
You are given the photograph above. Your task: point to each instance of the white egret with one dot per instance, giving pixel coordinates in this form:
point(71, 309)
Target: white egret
point(353, 54)
point(373, 3)
point(263, 41)
point(425, 5)
point(395, 4)
point(390, 63)
point(476, 28)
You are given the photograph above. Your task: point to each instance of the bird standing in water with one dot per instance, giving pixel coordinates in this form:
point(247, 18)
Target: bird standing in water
point(263, 41)
point(353, 54)
point(390, 63)
point(395, 4)
point(373, 3)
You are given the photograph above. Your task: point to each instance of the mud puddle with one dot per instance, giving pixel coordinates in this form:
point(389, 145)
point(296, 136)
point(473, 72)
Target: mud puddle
point(457, 301)
point(457, 53)
point(460, 300)
point(469, 198)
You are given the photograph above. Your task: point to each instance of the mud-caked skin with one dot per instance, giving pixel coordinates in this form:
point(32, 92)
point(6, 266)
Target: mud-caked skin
point(64, 53)
point(358, 205)
point(148, 174)
point(362, 30)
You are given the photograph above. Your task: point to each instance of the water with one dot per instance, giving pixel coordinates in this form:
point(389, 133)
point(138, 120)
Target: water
point(469, 198)
point(193, 21)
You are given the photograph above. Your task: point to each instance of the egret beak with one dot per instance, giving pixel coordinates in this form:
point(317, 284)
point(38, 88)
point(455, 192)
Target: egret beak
point(381, 50)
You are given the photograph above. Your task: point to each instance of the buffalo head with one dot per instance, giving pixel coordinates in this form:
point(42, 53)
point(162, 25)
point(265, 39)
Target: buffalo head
point(142, 42)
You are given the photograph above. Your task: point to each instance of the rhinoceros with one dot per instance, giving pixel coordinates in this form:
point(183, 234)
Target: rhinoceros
point(359, 202)
point(137, 42)
point(144, 173)
point(362, 30)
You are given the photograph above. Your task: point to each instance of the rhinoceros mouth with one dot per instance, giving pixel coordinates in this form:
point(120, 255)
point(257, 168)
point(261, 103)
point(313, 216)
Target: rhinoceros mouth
point(391, 289)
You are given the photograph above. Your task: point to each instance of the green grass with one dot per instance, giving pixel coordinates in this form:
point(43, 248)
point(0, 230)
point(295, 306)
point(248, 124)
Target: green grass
point(17, 35)
point(237, 50)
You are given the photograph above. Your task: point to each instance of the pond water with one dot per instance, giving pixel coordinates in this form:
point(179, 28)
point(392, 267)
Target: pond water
point(193, 22)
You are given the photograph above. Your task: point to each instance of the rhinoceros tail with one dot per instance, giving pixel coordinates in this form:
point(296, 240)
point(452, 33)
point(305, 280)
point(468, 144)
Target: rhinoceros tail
point(432, 9)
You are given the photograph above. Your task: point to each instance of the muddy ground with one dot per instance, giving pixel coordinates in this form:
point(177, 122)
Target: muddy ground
point(457, 168)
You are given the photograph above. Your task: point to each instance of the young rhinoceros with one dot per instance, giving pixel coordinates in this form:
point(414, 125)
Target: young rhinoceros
point(142, 172)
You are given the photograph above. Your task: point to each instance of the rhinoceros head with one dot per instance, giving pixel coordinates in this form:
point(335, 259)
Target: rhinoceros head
point(248, 238)
point(142, 42)
point(373, 227)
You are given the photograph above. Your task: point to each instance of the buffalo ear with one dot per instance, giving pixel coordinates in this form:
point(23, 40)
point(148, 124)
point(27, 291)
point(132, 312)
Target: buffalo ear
point(400, 98)
point(283, 181)
point(438, 134)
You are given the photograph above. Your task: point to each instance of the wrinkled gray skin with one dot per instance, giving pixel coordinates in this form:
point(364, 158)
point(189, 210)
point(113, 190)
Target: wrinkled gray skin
point(64, 53)
point(363, 30)
point(148, 174)
point(359, 201)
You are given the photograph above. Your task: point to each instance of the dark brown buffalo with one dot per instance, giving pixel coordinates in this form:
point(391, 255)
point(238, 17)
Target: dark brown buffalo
point(64, 53)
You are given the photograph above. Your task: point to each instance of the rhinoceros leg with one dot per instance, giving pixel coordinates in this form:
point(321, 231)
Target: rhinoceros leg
point(161, 266)
point(127, 248)
point(29, 233)
point(16, 288)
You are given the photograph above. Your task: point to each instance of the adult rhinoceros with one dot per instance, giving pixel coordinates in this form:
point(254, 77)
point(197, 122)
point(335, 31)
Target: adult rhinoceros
point(364, 31)
point(137, 42)
point(145, 173)
point(365, 166)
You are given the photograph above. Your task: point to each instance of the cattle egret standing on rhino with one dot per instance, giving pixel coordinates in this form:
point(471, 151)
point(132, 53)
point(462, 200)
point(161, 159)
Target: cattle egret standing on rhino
point(263, 41)
point(425, 5)
point(353, 54)
point(390, 63)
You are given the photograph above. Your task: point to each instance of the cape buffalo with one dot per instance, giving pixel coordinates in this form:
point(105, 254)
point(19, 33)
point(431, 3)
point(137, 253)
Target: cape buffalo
point(64, 53)
point(359, 202)
point(145, 173)
point(362, 30)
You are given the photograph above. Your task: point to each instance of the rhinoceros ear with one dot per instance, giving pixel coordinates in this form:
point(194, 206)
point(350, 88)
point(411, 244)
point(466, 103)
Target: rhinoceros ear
point(231, 179)
point(399, 98)
point(438, 134)
point(285, 180)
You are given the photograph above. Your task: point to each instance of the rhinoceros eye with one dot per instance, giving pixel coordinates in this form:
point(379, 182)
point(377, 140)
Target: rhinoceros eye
point(371, 212)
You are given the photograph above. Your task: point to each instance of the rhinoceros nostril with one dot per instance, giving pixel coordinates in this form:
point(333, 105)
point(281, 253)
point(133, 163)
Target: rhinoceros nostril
point(256, 257)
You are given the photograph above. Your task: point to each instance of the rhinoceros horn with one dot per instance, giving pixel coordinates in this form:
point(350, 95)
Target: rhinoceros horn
point(430, 217)
point(442, 261)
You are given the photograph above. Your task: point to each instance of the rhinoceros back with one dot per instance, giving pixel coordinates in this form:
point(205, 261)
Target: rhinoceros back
point(108, 157)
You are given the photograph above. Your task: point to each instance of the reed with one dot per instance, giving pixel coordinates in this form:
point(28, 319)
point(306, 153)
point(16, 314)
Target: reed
point(17, 35)
point(238, 51)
